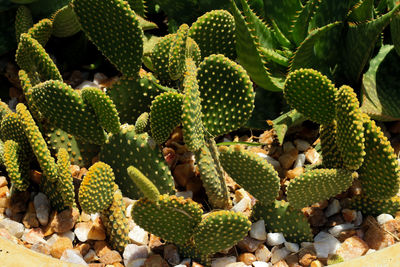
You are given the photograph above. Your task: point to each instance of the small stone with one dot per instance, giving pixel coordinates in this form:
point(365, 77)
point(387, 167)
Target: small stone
point(301, 145)
point(293, 173)
point(376, 237)
point(316, 263)
point(383, 218)
point(137, 263)
point(292, 247)
point(352, 247)
point(90, 256)
point(5, 202)
point(316, 217)
point(73, 256)
point(86, 84)
point(41, 247)
point(183, 173)
point(279, 254)
point(83, 248)
point(336, 230)
point(74, 169)
point(349, 215)
point(393, 227)
point(155, 260)
point(272, 161)
point(96, 264)
point(346, 234)
point(333, 208)
point(275, 239)
point(33, 236)
point(14, 228)
point(249, 244)
point(237, 264)
point(263, 254)
point(370, 251)
point(101, 247)
point(287, 159)
point(281, 263)
point(139, 236)
point(30, 220)
point(52, 239)
point(307, 256)
point(287, 146)
point(293, 260)
point(85, 217)
point(186, 262)
point(243, 205)
point(69, 234)
point(97, 230)
point(171, 254)
point(110, 257)
point(3, 181)
point(61, 244)
point(257, 230)
point(312, 156)
point(247, 258)
point(359, 219)
point(42, 207)
point(82, 230)
point(133, 252)
point(99, 78)
point(325, 244)
point(261, 264)
point(300, 160)
point(222, 262)
point(64, 221)
point(4, 191)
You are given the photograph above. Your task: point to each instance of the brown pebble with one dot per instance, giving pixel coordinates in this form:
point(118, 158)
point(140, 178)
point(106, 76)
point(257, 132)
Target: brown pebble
point(101, 247)
point(183, 173)
point(110, 257)
point(171, 254)
point(291, 174)
point(35, 176)
point(316, 263)
point(155, 244)
point(58, 248)
point(349, 215)
point(281, 263)
point(96, 264)
point(247, 258)
point(195, 264)
point(155, 260)
point(307, 256)
point(83, 248)
point(65, 220)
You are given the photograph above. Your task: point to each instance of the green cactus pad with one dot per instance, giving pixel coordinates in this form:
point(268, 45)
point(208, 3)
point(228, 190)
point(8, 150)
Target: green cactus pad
point(379, 174)
point(23, 21)
point(172, 218)
point(311, 93)
point(97, 188)
point(190, 251)
point(350, 130)
point(213, 181)
point(51, 190)
point(372, 207)
point(220, 230)
point(128, 148)
point(65, 181)
point(317, 185)
point(80, 153)
point(242, 164)
point(142, 123)
point(119, 39)
point(160, 57)
point(32, 57)
point(191, 109)
point(41, 31)
point(64, 108)
point(133, 96)
point(65, 22)
point(139, 6)
point(37, 143)
point(227, 94)
point(103, 107)
point(165, 115)
point(214, 32)
point(116, 223)
point(148, 189)
point(26, 85)
point(193, 50)
point(280, 217)
point(331, 157)
point(12, 163)
point(4, 110)
point(176, 62)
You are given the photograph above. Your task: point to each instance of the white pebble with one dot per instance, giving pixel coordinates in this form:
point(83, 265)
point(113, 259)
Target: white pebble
point(257, 230)
point(279, 254)
point(306, 244)
point(82, 231)
point(300, 160)
point(237, 264)
point(325, 244)
point(128, 211)
point(42, 208)
point(301, 145)
point(180, 265)
point(136, 263)
point(222, 262)
point(243, 204)
point(333, 208)
point(138, 235)
point(263, 254)
point(272, 161)
point(292, 247)
point(261, 264)
point(87, 84)
point(73, 256)
point(337, 229)
point(359, 219)
point(69, 234)
point(90, 256)
point(274, 239)
point(371, 250)
point(133, 252)
point(52, 239)
point(383, 218)
point(14, 228)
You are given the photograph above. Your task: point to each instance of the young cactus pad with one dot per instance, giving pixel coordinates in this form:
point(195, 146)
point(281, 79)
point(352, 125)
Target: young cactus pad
point(172, 218)
point(65, 181)
point(317, 185)
point(251, 172)
point(97, 188)
point(148, 189)
point(311, 93)
point(331, 157)
point(12, 164)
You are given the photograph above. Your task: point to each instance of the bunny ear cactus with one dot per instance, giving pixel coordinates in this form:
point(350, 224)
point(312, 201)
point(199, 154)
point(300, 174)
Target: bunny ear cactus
point(148, 189)
point(23, 21)
point(142, 123)
point(311, 93)
point(65, 22)
point(281, 217)
point(176, 62)
point(41, 31)
point(12, 162)
point(65, 181)
point(128, 148)
point(317, 185)
point(374, 207)
point(214, 32)
point(265, 182)
point(126, 49)
point(331, 155)
point(64, 108)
